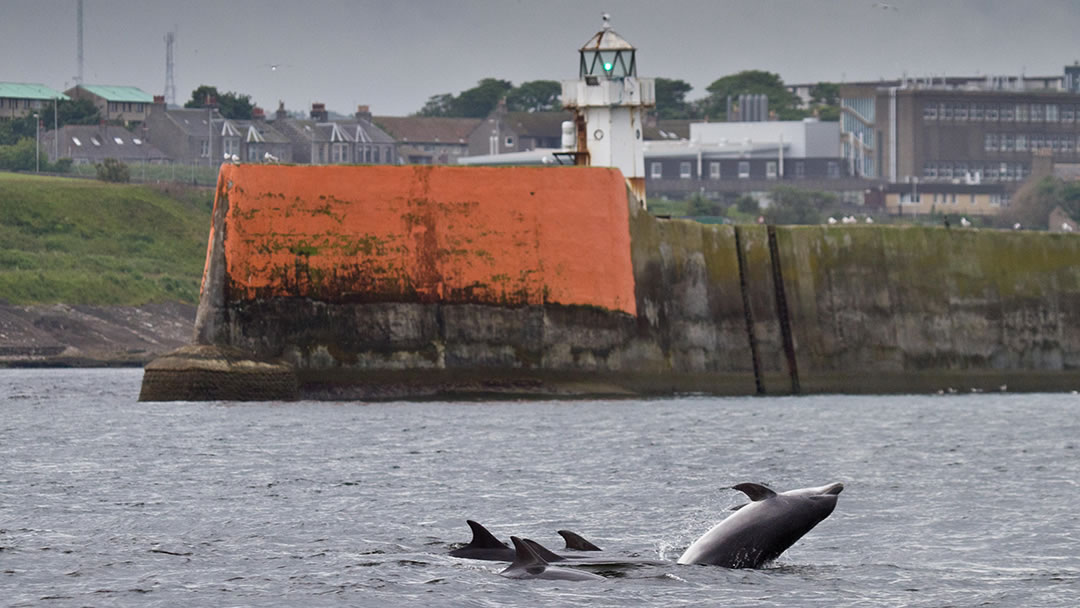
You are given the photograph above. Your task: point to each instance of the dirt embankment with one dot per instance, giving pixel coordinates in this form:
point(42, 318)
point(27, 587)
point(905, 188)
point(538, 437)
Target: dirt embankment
point(91, 336)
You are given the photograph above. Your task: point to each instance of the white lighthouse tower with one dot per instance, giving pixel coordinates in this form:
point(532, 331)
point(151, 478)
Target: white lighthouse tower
point(609, 101)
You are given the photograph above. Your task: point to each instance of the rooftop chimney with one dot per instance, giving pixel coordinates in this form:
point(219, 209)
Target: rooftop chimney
point(159, 100)
point(281, 114)
point(258, 113)
point(363, 113)
point(319, 113)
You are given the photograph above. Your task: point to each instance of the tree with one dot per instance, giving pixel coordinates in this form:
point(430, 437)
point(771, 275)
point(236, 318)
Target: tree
point(1033, 202)
point(698, 205)
point(480, 100)
point(231, 105)
point(755, 82)
point(535, 96)
point(112, 170)
point(438, 105)
point(671, 98)
point(72, 112)
point(825, 101)
point(20, 156)
point(15, 129)
point(795, 206)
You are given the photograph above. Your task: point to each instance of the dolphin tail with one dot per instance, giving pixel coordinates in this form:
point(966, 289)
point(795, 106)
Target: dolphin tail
point(576, 542)
point(482, 539)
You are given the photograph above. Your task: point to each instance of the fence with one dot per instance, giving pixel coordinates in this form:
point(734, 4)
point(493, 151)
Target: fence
point(190, 174)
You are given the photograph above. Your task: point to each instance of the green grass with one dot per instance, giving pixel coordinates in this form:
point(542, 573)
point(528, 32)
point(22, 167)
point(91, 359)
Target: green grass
point(78, 241)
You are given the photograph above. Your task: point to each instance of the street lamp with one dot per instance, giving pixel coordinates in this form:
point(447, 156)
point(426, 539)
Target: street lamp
point(37, 143)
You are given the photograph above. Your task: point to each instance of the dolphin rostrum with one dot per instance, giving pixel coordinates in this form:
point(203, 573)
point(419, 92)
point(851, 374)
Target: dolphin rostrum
point(528, 564)
point(760, 531)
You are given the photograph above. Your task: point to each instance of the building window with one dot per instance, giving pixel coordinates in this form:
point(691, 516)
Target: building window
point(833, 169)
point(992, 113)
point(929, 170)
point(972, 201)
point(339, 153)
point(1008, 113)
point(990, 142)
point(1022, 112)
point(656, 170)
point(929, 111)
point(744, 169)
point(977, 112)
point(1067, 113)
point(714, 170)
point(961, 111)
point(232, 145)
point(947, 113)
point(770, 170)
point(509, 141)
point(1051, 112)
point(253, 153)
point(1037, 112)
point(800, 169)
point(910, 198)
point(684, 170)
point(1021, 142)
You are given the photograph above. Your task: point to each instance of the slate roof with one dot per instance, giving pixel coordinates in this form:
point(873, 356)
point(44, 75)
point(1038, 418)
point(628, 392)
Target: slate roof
point(97, 142)
point(423, 129)
point(29, 90)
point(543, 124)
point(192, 121)
point(669, 127)
point(118, 93)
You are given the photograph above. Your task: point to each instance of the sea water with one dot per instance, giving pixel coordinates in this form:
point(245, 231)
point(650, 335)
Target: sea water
point(952, 500)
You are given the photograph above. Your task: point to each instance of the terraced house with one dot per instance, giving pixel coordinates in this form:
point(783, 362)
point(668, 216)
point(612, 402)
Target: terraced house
point(19, 99)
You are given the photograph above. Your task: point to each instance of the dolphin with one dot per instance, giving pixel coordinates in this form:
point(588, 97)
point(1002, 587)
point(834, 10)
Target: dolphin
point(484, 546)
point(528, 564)
point(576, 542)
point(760, 531)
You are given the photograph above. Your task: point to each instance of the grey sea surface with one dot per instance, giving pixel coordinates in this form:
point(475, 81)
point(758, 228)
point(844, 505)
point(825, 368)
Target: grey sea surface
point(954, 500)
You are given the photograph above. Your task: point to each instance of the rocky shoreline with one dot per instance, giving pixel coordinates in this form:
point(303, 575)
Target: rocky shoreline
point(60, 335)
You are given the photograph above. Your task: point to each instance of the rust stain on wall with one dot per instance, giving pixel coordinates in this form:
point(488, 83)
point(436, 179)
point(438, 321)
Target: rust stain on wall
point(487, 235)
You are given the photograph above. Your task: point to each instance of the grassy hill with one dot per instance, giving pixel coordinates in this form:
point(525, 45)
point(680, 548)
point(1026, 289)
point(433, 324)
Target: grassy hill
point(78, 241)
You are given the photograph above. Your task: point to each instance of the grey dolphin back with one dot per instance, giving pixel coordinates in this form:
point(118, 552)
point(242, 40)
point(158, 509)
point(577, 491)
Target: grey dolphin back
point(482, 538)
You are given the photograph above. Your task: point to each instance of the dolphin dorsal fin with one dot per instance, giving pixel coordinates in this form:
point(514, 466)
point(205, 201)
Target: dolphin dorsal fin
point(755, 491)
point(545, 554)
point(482, 539)
point(576, 542)
point(525, 557)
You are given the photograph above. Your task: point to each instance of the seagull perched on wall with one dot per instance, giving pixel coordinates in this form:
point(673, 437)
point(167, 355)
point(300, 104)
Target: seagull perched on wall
point(832, 220)
point(235, 159)
point(1066, 226)
point(869, 220)
point(1016, 226)
point(964, 222)
point(270, 158)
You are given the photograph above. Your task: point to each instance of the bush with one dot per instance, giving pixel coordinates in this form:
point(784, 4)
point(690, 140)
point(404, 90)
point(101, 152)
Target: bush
point(112, 170)
point(747, 204)
point(62, 165)
point(21, 156)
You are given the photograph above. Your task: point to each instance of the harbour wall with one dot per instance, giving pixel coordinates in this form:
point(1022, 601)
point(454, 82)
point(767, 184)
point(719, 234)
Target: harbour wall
point(387, 282)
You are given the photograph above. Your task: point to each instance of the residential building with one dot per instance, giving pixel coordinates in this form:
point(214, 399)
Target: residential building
point(423, 140)
point(19, 99)
point(319, 140)
point(92, 144)
point(197, 136)
point(504, 132)
point(977, 131)
point(115, 103)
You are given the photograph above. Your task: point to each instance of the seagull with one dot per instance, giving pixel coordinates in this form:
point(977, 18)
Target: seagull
point(832, 220)
point(869, 220)
point(1016, 226)
point(235, 159)
point(270, 158)
point(885, 7)
point(227, 157)
point(964, 222)
point(1066, 227)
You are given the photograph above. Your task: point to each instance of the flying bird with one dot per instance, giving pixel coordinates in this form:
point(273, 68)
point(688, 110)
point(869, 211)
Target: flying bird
point(885, 7)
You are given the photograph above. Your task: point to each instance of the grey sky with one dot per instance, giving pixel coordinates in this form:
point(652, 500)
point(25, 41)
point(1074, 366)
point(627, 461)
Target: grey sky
point(394, 55)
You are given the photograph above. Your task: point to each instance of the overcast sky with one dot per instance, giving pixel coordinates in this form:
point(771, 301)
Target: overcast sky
point(393, 55)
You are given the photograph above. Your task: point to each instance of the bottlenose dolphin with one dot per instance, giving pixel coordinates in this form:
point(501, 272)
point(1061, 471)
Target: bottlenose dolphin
point(528, 564)
point(760, 531)
point(484, 546)
point(576, 542)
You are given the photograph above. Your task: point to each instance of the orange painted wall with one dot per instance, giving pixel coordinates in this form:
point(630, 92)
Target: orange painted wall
point(486, 235)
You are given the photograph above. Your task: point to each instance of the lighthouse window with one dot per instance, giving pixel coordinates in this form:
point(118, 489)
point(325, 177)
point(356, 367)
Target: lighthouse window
point(509, 141)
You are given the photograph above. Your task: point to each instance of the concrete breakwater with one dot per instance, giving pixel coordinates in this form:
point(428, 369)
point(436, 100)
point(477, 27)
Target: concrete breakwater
point(385, 282)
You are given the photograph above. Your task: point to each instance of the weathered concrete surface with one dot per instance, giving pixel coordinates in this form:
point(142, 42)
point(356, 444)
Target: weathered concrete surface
point(391, 282)
point(214, 373)
point(874, 305)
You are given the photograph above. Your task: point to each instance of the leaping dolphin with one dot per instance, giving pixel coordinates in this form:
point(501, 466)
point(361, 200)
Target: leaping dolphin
point(528, 564)
point(759, 532)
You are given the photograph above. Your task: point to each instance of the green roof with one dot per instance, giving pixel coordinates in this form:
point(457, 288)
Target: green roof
point(110, 93)
point(29, 90)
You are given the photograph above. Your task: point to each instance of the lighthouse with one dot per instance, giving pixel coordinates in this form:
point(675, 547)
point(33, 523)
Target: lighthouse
point(609, 102)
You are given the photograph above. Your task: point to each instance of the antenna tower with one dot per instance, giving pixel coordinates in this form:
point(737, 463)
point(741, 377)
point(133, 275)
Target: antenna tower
point(170, 84)
point(79, 19)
